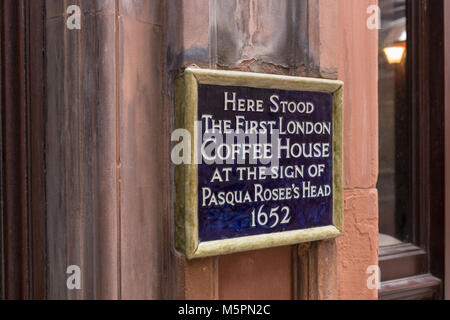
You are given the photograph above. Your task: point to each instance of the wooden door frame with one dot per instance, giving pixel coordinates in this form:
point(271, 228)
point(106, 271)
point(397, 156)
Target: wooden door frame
point(416, 270)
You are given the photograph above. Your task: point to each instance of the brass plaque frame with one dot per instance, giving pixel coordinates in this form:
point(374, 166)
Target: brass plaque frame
point(186, 175)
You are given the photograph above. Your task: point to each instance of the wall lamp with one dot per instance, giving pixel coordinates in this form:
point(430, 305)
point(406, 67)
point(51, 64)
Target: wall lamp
point(395, 53)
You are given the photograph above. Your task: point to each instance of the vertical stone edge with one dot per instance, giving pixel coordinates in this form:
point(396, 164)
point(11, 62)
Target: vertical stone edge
point(80, 180)
point(198, 278)
point(317, 265)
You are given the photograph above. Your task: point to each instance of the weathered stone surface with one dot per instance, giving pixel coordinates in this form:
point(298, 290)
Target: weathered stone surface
point(80, 157)
point(250, 275)
point(358, 247)
point(274, 33)
point(328, 34)
point(358, 68)
point(200, 280)
point(143, 159)
point(149, 11)
point(56, 8)
point(188, 33)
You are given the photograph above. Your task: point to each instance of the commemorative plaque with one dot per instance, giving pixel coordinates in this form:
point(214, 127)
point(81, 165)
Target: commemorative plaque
point(258, 161)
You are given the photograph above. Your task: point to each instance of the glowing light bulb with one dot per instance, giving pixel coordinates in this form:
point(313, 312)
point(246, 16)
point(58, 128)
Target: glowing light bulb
point(394, 54)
